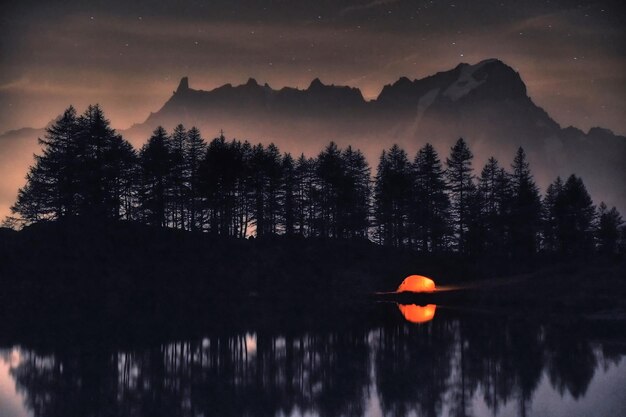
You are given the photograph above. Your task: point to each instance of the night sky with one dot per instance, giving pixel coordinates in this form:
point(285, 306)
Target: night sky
point(129, 58)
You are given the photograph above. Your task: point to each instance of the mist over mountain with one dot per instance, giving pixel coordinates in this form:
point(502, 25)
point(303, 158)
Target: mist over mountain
point(485, 103)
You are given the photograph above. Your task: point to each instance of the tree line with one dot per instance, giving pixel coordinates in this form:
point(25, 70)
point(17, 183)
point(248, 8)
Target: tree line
point(233, 188)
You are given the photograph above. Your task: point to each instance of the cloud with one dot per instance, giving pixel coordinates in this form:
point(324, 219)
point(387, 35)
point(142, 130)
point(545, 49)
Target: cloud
point(366, 6)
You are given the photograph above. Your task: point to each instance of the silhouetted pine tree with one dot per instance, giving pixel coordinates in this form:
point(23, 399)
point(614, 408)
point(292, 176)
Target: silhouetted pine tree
point(608, 233)
point(274, 189)
point(552, 216)
point(576, 218)
point(210, 183)
point(120, 179)
point(178, 182)
point(462, 189)
point(525, 208)
point(97, 165)
point(194, 153)
point(621, 244)
point(354, 194)
point(51, 189)
point(230, 168)
point(392, 197)
point(290, 184)
point(329, 172)
point(305, 196)
point(487, 189)
point(156, 167)
point(85, 169)
point(258, 188)
point(222, 174)
point(242, 212)
point(475, 238)
point(430, 204)
point(494, 189)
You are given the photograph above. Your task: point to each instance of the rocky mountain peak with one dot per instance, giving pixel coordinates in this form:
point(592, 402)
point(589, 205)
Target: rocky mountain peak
point(316, 84)
point(183, 85)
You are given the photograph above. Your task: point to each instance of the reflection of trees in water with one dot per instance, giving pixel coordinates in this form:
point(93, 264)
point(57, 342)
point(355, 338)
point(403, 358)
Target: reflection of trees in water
point(221, 376)
point(424, 368)
point(571, 363)
point(413, 364)
point(68, 384)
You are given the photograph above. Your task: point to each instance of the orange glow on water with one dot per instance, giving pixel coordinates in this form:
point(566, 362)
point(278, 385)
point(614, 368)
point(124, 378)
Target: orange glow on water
point(417, 314)
point(417, 283)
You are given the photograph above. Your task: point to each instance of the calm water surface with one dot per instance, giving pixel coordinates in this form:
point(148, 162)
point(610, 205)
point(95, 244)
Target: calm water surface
point(397, 362)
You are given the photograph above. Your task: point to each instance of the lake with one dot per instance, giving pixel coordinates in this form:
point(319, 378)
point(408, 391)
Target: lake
point(378, 359)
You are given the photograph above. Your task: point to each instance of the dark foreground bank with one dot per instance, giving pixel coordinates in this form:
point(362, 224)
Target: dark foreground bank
point(125, 271)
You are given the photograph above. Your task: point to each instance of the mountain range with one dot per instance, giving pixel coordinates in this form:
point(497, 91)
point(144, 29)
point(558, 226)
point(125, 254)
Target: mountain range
point(486, 103)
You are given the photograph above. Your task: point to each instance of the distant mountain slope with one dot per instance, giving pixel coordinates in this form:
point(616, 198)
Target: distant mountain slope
point(486, 103)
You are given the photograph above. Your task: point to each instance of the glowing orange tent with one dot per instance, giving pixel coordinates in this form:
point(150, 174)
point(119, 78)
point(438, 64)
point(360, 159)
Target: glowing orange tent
point(417, 314)
point(417, 283)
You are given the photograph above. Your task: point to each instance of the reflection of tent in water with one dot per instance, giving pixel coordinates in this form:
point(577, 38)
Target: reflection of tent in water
point(417, 314)
point(417, 283)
